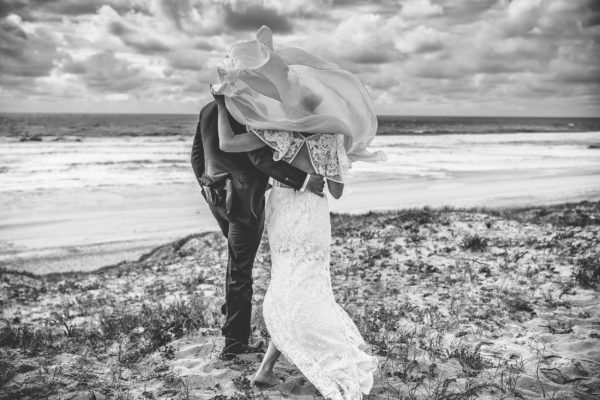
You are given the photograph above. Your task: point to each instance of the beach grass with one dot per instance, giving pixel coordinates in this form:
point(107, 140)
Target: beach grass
point(457, 303)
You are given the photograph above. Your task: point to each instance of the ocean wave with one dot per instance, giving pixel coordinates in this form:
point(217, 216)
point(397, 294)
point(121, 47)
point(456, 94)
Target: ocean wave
point(387, 131)
point(125, 162)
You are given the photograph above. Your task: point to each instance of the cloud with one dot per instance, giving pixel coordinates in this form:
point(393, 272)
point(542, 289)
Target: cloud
point(361, 39)
point(106, 72)
point(192, 60)
point(421, 39)
point(593, 14)
point(175, 10)
point(140, 41)
point(8, 7)
point(420, 9)
point(38, 10)
point(209, 17)
point(572, 73)
point(30, 54)
point(422, 52)
point(253, 16)
point(375, 39)
point(287, 8)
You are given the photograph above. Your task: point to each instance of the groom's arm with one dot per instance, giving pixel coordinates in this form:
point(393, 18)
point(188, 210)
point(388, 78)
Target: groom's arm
point(279, 170)
point(198, 150)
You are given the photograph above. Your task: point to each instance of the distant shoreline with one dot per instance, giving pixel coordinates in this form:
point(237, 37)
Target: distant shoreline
point(378, 115)
point(49, 138)
point(31, 125)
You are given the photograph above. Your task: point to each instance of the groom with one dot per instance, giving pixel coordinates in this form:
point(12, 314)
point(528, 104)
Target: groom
point(233, 185)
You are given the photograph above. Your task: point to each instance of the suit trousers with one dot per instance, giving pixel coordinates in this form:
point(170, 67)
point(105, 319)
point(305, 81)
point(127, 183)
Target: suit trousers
point(243, 240)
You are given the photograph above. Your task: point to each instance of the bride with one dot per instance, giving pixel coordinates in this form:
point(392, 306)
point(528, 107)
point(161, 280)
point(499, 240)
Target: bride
point(318, 118)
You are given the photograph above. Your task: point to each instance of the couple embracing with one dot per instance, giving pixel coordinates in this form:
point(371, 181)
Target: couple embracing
point(295, 118)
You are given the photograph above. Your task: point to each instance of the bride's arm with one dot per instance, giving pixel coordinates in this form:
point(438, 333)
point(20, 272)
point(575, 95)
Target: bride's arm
point(230, 142)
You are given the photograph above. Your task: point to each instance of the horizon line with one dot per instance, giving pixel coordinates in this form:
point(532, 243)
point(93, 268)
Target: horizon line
point(378, 115)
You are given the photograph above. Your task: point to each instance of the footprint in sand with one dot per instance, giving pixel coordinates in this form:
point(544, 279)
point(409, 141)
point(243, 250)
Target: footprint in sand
point(196, 360)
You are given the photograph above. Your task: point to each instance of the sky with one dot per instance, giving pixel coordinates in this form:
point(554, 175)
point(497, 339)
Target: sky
point(416, 57)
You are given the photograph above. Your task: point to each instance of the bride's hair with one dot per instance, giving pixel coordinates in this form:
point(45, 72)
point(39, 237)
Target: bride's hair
point(309, 99)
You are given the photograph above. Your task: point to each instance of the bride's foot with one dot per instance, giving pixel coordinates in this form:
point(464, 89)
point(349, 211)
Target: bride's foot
point(262, 379)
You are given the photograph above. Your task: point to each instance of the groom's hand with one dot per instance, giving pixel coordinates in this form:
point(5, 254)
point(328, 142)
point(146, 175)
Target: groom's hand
point(316, 184)
point(219, 98)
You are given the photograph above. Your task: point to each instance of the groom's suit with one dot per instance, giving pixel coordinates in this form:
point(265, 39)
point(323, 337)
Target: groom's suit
point(233, 185)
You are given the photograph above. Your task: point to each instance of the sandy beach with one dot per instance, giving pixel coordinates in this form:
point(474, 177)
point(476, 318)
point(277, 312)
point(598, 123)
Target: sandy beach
point(456, 303)
point(468, 256)
point(74, 229)
point(78, 205)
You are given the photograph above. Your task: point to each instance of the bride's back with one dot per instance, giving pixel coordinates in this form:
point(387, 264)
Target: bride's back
point(313, 153)
point(302, 160)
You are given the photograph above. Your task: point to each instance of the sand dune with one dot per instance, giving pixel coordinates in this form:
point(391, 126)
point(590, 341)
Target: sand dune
point(465, 303)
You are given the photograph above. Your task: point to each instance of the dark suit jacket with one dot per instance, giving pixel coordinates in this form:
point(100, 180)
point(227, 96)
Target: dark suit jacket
point(246, 174)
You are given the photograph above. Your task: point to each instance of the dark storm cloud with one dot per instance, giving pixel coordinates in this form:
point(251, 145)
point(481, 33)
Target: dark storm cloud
point(252, 17)
point(586, 76)
point(345, 3)
point(175, 10)
point(73, 7)
point(136, 39)
point(30, 55)
point(593, 14)
point(14, 82)
point(11, 7)
point(462, 11)
point(56, 9)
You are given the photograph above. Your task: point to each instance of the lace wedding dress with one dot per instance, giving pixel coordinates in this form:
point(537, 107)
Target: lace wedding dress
point(304, 321)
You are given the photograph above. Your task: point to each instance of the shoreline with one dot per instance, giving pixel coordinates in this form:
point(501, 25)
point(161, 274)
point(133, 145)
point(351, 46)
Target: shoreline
point(122, 252)
point(68, 206)
point(108, 225)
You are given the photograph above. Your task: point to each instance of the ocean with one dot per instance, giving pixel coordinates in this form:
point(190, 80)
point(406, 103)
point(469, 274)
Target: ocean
point(78, 192)
point(118, 125)
point(53, 151)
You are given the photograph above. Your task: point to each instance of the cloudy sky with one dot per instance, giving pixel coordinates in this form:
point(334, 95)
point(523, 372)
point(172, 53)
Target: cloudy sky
point(417, 57)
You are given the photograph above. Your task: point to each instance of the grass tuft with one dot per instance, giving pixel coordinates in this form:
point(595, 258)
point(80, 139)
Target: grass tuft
point(24, 337)
point(147, 330)
point(470, 358)
point(587, 272)
point(474, 243)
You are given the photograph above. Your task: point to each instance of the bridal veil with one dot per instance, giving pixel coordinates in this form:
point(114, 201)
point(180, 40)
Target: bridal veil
point(292, 90)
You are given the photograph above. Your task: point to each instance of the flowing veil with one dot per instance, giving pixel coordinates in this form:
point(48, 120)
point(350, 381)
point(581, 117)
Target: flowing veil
point(293, 90)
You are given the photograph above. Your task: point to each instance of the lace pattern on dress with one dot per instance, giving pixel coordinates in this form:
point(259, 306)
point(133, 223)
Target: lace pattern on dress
point(305, 322)
point(323, 148)
point(323, 154)
point(286, 144)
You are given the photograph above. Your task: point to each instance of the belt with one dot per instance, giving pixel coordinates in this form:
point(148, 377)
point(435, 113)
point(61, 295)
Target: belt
point(282, 185)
